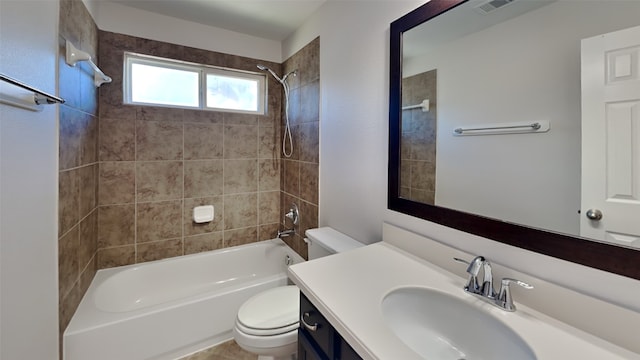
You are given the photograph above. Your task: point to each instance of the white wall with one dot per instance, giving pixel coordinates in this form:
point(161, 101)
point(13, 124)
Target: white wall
point(28, 186)
point(354, 71)
point(126, 20)
point(354, 78)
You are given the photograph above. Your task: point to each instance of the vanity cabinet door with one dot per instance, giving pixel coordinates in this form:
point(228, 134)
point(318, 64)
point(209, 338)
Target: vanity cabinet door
point(323, 342)
point(322, 334)
point(307, 350)
point(346, 352)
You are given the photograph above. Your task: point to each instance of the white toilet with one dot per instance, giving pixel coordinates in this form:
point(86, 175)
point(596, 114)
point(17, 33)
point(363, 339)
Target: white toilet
point(267, 323)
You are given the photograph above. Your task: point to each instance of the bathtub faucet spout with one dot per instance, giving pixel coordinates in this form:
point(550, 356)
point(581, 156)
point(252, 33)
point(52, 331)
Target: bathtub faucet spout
point(285, 233)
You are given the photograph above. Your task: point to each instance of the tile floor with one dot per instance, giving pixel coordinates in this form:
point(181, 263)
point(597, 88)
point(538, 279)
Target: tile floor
point(225, 351)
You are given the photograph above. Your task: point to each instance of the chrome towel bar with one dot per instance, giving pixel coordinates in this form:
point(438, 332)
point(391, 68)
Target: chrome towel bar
point(40, 97)
point(538, 126)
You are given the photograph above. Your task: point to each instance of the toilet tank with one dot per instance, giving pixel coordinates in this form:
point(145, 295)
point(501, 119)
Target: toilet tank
point(326, 241)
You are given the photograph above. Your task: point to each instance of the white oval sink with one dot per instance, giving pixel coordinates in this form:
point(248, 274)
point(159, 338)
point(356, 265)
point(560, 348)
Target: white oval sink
point(440, 326)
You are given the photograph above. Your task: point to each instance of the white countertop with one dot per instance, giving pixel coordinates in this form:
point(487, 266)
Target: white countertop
point(348, 289)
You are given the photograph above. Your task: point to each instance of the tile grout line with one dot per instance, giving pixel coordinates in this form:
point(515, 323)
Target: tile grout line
point(224, 197)
point(182, 202)
point(135, 191)
point(258, 182)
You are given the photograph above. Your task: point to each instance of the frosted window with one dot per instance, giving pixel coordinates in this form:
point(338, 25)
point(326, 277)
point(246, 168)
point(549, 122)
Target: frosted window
point(233, 93)
point(160, 85)
point(150, 80)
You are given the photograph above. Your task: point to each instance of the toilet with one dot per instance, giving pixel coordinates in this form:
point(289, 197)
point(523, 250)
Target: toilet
point(267, 323)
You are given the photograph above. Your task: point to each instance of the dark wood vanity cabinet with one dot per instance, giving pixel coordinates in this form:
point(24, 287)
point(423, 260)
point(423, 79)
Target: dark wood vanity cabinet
point(319, 340)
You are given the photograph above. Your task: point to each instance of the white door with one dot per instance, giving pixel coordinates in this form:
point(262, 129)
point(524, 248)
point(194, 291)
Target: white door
point(610, 209)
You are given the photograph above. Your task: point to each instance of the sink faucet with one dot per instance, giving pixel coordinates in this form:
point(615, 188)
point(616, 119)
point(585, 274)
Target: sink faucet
point(486, 291)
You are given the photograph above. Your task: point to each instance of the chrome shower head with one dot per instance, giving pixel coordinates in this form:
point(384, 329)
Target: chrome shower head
point(264, 68)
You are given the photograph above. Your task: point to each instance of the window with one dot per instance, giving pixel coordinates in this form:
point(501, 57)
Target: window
point(157, 81)
point(226, 90)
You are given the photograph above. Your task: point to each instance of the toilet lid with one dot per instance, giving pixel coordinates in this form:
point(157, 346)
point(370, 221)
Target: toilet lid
point(273, 309)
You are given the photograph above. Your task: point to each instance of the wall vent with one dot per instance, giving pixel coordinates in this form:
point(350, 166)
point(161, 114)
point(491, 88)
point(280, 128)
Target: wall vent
point(492, 5)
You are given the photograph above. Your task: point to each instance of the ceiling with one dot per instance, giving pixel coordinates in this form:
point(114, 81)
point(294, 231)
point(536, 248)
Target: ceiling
point(269, 19)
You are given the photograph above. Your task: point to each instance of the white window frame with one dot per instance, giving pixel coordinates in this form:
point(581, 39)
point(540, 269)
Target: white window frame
point(203, 70)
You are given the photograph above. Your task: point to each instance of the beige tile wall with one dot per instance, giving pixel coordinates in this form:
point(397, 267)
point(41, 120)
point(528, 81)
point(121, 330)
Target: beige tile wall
point(300, 171)
point(78, 162)
point(131, 175)
point(418, 143)
point(157, 164)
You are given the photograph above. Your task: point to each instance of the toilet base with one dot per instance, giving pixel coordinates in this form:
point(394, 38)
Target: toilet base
point(288, 357)
point(274, 347)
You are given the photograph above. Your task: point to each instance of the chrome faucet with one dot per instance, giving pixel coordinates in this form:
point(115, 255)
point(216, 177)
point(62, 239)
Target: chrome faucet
point(293, 215)
point(285, 233)
point(486, 291)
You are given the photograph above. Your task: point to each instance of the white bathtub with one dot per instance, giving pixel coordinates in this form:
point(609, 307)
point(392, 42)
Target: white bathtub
point(170, 308)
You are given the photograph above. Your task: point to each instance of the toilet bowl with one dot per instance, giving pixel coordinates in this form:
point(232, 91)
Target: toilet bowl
point(267, 324)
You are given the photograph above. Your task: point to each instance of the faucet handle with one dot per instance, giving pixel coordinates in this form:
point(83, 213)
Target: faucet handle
point(474, 266)
point(504, 299)
point(473, 269)
point(461, 260)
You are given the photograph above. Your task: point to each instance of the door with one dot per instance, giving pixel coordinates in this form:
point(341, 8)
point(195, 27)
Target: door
point(610, 209)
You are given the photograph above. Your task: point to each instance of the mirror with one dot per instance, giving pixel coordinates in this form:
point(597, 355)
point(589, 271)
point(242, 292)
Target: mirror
point(477, 65)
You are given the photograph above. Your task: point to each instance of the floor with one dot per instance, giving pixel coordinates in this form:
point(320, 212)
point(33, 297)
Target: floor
point(225, 351)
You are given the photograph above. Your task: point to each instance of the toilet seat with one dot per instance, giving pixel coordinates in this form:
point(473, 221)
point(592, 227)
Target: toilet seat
point(271, 312)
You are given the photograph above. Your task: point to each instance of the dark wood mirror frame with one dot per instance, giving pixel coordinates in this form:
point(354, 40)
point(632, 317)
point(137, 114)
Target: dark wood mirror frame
point(612, 258)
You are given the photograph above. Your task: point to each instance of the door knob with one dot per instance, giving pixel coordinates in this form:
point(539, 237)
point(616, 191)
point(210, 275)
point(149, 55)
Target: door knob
point(594, 214)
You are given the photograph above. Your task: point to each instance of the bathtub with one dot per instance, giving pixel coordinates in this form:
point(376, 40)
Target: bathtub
point(170, 308)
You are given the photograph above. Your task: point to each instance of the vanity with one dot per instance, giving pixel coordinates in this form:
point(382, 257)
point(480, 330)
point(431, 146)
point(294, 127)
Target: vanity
point(318, 339)
point(369, 303)
point(486, 112)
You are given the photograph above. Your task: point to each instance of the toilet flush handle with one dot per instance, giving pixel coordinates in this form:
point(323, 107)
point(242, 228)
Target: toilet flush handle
point(313, 327)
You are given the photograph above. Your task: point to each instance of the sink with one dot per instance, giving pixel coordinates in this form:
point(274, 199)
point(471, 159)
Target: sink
point(437, 325)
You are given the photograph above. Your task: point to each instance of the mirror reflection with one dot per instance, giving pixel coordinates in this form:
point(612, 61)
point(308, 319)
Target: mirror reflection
point(507, 70)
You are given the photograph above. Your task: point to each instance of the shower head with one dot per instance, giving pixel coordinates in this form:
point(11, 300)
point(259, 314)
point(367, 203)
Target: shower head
point(280, 79)
point(264, 68)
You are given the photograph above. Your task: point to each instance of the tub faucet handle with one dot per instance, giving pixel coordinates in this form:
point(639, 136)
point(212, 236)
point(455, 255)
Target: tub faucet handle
point(293, 214)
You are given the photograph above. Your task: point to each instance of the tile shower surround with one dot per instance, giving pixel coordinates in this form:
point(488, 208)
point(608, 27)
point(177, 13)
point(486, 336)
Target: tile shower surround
point(130, 175)
point(78, 162)
point(156, 164)
point(299, 173)
point(418, 152)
